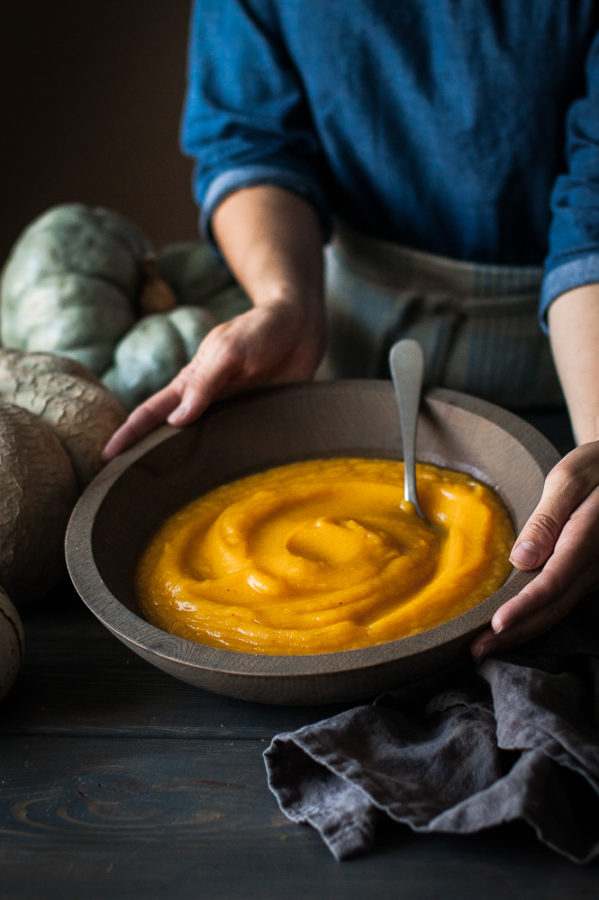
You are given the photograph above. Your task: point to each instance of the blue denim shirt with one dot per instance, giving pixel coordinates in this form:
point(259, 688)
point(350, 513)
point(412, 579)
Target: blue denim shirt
point(467, 128)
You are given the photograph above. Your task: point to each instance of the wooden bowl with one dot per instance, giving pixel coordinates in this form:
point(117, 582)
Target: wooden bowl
point(133, 494)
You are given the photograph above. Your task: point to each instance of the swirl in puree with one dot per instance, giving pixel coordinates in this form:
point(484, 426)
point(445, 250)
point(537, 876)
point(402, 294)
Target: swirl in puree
point(324, 555)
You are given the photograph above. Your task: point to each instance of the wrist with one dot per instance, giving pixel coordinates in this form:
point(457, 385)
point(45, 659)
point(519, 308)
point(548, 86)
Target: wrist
point(301, 315)
point(273, 242)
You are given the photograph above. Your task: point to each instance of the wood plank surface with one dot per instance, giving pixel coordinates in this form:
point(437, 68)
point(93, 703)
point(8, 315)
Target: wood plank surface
point(152, 818)
point(78, 678)
point(118, 780)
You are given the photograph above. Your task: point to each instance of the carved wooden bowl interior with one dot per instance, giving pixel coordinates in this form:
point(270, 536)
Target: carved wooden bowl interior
point(126, 502)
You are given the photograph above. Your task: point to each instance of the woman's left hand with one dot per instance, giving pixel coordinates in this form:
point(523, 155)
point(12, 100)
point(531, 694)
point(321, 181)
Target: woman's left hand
point(561, 540)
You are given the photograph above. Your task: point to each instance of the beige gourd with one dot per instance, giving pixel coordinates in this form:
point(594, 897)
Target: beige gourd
point(81, 412)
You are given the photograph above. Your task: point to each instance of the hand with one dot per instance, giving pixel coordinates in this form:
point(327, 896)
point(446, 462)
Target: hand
point(560, 539)
point(274, 343)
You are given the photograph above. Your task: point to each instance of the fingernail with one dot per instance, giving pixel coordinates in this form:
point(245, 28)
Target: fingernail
point(178, 414)
point(107, 452)
point(525, 554)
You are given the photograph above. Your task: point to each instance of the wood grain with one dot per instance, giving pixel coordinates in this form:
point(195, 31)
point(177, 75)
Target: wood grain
point(78, 678)
point(119, 781)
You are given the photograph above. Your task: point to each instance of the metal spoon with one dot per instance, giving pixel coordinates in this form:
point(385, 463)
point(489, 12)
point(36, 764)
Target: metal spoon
point(406, 361)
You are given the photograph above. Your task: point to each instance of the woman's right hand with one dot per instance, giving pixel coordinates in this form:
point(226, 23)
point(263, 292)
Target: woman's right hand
point(272, 240)
point(275, 343)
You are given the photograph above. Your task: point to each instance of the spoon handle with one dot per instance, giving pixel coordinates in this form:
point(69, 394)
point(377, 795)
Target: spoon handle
point(406, 361)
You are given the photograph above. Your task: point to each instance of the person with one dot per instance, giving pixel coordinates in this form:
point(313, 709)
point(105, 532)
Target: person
point(451, 147)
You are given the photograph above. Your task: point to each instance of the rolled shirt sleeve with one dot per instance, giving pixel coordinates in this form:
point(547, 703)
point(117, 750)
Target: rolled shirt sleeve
point(245, 118)
point(573, 257)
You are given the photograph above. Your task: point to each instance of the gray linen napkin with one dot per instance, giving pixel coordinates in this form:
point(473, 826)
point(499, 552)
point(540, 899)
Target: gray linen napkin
point(516, 737)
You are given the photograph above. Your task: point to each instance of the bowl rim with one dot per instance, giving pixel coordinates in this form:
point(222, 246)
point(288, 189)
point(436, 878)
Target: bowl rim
point(148, 639)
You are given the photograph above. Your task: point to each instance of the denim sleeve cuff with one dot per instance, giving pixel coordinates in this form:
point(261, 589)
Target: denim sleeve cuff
point(247, 176)
point(565, 277)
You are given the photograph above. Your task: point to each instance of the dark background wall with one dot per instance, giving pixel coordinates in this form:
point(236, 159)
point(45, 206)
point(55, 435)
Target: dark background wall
point(91, 99)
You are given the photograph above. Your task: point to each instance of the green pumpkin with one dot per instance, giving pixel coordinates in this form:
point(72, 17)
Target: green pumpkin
point(199, 277)
point(153, 352)
point(228, 303)
point(83, 283)
point(193, 270)
point(72, 283)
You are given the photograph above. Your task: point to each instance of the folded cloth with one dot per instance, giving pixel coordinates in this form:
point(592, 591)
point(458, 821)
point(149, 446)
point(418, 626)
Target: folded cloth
point(516, 737)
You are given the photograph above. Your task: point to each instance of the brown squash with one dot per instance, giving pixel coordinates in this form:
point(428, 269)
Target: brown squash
point(12, 643)
point(38, 489)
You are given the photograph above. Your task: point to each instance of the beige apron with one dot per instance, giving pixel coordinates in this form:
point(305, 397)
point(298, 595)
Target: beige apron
point(478, 324)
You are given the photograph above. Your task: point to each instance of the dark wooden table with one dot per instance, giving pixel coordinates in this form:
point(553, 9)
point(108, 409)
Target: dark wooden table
point(118, 781)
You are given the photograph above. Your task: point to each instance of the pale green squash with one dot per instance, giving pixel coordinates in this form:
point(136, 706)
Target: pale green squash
point(83, 283)
point(153, 352)
point(73, 284)
point(199, 277)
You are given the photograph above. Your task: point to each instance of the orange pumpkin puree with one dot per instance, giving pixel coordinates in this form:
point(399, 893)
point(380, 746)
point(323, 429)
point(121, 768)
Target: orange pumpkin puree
point(324, 555)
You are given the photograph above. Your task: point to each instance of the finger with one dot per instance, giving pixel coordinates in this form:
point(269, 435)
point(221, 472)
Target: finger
point(145, 418)
point(526, 616)
point(483, 644)
point(574, 562)
point(201, 382)
point(566, 487)
point(186, 397)
point(538, 621)
point(569, 573)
